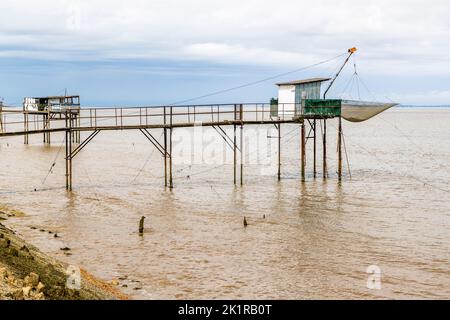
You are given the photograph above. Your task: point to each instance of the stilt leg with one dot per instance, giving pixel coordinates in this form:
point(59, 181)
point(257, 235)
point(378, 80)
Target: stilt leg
point(234, 155)
point(170, 156)
point(303, 152)
point(279, 151)
point(67, 159)
point(242, 154)
point(165, 157)
point(314, 150)
point(324, 141)
point(340, 149)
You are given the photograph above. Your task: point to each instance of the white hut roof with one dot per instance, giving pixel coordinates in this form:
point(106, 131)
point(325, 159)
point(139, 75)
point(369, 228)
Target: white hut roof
point(313, 80)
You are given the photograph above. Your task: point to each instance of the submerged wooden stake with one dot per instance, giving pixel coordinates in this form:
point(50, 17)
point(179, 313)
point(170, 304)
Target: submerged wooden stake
point(141, 225)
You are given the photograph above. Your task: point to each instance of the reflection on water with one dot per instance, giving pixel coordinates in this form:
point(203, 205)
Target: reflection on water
point(311, 240)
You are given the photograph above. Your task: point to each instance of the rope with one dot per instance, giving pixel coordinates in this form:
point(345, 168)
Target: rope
point(54, 162)
point(346, 155)
point(146, 161)
point(258, 81)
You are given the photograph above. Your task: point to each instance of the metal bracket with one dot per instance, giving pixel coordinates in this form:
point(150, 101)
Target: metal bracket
point(83, 144)
point(226, 138)
point(154, 141)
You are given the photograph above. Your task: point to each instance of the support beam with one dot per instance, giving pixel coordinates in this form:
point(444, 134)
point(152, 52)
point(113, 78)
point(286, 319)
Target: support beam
point(224, 136)
point(170, 152)
point(279, 151)
point(234, 152)
point(340, 149)
point(303, 151)
point(1, 118)
point(324, 141)
point(153, 140)
point(70, 160)
point(25, 127)
point(165, 149)
point(84, 143)
point(242, 154)
point(68, 141)
point(67, 159)
point(44, 126)
point(315, 149)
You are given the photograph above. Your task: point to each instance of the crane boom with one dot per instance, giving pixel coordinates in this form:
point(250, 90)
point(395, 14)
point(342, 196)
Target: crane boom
point(351, 51)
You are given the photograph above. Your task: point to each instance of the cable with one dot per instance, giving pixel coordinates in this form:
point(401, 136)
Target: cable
point(146, 161)
point(258, 81)
point(54, 162)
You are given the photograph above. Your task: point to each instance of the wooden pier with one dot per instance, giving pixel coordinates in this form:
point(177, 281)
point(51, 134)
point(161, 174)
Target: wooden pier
point(18, 122)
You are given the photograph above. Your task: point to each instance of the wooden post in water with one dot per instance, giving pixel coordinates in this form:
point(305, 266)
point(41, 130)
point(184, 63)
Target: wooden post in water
point(340, 149)
point(170, 156)
point(165, 149)
point(25, 125)
point(279, 151)
point(70, 154)
point(79, 125)
point(44, 126)
point(314, 150)
point(234, 155)
point(324, 141)
point(47, 125)
point(242, 152)
point(303, 151)
point(68, 141)
point(234, 147)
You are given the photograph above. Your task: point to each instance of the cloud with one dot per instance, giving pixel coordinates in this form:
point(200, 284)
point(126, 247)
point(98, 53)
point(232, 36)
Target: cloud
point(403, 38)
point(250, 31)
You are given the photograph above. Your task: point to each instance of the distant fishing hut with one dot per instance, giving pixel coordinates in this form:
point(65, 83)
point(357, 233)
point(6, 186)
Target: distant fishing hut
point(51, 107)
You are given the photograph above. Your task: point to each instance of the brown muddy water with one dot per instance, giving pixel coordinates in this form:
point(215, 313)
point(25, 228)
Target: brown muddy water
point(303, 241)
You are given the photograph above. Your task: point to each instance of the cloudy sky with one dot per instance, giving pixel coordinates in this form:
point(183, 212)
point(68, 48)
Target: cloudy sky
point(115, 52)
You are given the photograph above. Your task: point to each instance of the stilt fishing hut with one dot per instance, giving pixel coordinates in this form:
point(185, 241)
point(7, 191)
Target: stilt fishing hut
point(301, 101)
point(50, 108)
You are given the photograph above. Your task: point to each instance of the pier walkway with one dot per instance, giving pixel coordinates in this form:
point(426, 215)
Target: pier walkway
point(73, 121)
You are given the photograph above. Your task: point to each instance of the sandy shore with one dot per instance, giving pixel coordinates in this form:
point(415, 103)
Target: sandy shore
point(27, 273)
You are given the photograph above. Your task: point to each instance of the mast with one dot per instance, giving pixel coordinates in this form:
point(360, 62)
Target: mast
point(351, 51)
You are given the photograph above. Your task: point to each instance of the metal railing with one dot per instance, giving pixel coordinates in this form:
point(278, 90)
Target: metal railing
point(152, 116)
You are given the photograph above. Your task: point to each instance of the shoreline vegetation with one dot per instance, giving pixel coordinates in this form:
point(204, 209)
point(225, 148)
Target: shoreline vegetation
point(26, 273)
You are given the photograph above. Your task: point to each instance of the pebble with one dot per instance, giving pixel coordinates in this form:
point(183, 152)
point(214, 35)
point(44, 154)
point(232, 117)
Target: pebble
point(39, 296)
point(17, 294)
point(26, 291)
point(3, 273)
point(32, 280)
point(40, 287)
